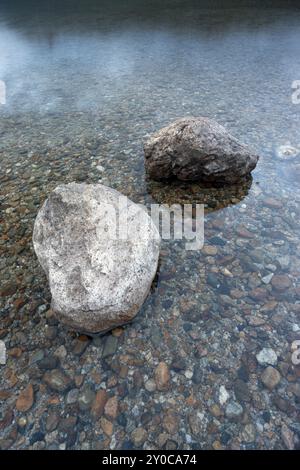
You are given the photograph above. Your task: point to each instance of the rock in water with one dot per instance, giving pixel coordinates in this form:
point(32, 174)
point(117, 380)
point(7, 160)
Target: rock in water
point(99, 273)
point(197, 149)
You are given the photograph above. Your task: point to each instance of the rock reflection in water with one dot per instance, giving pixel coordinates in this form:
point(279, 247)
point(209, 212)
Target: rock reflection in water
point(213, 198)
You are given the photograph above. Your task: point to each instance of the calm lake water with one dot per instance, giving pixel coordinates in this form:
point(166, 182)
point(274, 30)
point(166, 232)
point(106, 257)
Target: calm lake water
point(85, 82)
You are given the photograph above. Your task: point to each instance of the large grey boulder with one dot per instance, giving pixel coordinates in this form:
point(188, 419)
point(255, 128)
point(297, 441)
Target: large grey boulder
point(99, 273)
point(197, 149)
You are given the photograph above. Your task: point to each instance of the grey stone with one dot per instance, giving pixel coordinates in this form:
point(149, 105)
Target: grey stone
point(72, 396)
point(267, 356)
point(249, 432)
point(284, 261)
point(86, 398)
point(197, 374)
point(223, 395)
point(296, 428)
point(287, 437)
point(241, 391)
point(234, 411)
point(49, 362)
point(99, 276)
point(2, 353)
point(197, 148)
point(58, 380)
point(267, 279)
point(156, 336)
point(110, 346)
point(150, 385)
point(36, 357)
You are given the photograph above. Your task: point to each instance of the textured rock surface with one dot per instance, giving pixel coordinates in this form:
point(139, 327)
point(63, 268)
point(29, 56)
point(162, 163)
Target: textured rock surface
point(267, 356)
point(97, 280)
point(270, 377)
point(197, 149)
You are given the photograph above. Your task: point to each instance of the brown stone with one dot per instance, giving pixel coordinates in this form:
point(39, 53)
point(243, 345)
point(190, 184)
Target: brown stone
point(80, 345)
point(209, 250)
point(4, 394)
point(281, 282)
point(52, 422)
point(112, 381)
point(191, 400)
point(217, 445)
point(256, 321)
point(79, 380)
point(170, 422)
point(3, 332)
point(57, 380)
point(138, 436)
point(162, 376)
point(7, 419)
point(195, 424)
point(54, 400)
point(117, 332)
point(68, 424)
point(270, 377)
point(107, 426)
point(123, 371)
point(237, 294)
point(273, 203)
point(111, 408)
point(96, 376)
point(287, 437)
point(25, 399)
point(162, 439)
point(258, 294)
point(216, 411)
point(99, 403)
point(243, 232)
point(269, 306)
point(138, 379)
point(8, 289)
point(15, 352)
point(18, 303)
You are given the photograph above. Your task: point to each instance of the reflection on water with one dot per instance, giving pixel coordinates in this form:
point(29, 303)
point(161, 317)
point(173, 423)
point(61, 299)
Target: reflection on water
point(213, 198)
point(85, 82)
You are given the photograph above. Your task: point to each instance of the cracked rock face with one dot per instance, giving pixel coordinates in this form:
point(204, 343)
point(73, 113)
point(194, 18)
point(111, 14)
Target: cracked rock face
point(100, 253)
point(197, 149)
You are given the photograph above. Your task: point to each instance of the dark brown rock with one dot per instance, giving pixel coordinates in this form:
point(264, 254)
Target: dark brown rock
point(99, 403)
point(197, 149)
point(281, 282)
point(25, 399)
point(52, 422)
point(7, 419)
point(162, 376)
point(258, 294)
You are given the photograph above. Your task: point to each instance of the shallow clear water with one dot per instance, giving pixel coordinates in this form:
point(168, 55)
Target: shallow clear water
point(85, 82)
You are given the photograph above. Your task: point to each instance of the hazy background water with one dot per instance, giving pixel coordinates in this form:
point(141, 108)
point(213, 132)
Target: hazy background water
point(93, 55)
point(140, 64)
